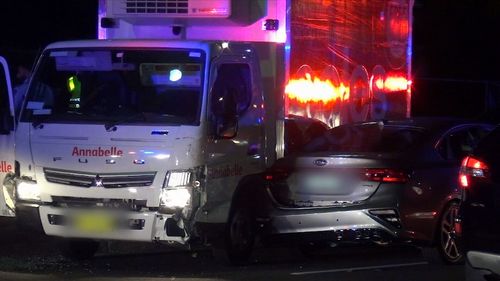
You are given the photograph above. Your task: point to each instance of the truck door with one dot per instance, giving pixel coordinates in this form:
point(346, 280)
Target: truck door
point(6, 133)
point(235, 147)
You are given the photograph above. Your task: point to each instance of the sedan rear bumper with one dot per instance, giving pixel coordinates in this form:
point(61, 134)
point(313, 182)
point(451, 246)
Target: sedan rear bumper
point(326, 221)
point(351, 225)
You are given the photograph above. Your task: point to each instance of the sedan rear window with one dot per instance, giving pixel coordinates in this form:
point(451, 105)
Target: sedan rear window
point(375, 137)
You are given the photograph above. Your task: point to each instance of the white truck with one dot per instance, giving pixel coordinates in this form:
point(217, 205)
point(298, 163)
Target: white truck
point(153, 131)
point(7, 127)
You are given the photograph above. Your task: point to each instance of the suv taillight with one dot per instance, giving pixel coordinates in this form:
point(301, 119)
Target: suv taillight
point(471, 168)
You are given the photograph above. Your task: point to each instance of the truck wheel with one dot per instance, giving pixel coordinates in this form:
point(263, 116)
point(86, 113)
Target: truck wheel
point(240, 236)
point(448, 244)
point(79, 249)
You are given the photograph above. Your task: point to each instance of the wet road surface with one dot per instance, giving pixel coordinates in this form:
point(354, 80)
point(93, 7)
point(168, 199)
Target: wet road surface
point(30, 256)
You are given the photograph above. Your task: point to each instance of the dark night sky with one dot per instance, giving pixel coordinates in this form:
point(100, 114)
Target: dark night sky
point(455, 45)
point(28, 26)
point(456, 57)
point(457, 37)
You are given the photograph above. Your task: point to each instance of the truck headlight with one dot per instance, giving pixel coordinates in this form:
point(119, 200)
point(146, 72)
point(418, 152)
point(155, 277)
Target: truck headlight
point(28, 190)
point(177, 198)
point(178, 178)
point(176, 191)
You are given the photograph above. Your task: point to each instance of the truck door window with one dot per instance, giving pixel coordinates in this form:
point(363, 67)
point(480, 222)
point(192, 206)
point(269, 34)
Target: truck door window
point(4, 98)
point(4, 102)
point(230, 98)
point(232, 91)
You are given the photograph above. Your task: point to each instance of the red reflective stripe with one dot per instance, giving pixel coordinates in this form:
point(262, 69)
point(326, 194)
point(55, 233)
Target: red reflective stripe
point(386, 175)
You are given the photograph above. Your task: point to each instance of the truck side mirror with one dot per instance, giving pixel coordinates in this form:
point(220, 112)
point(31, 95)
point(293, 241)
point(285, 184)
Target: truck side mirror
point(226, 128)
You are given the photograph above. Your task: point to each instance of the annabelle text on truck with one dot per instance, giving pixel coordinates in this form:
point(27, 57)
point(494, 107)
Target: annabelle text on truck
point(155, 131)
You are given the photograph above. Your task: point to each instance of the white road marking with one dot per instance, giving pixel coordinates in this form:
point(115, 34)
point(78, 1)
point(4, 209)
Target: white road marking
point(349, 269)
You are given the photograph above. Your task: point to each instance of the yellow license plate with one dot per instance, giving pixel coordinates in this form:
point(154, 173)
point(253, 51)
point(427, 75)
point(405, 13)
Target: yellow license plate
point(94, 223)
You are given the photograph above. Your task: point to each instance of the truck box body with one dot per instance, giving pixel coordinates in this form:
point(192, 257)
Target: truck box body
point(222, 20)
point(154, 129)
point(359, 51)
point(363, 48)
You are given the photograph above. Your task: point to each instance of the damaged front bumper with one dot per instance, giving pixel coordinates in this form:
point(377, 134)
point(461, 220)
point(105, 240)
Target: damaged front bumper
point(132, 226)
point(145, 226)
point(7, 196)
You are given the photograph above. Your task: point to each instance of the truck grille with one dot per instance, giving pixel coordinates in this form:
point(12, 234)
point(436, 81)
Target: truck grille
point(156, 6)
point(92, 203)
point(81, 179)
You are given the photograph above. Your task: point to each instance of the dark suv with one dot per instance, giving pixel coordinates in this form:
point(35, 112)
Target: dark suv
point(480, 209)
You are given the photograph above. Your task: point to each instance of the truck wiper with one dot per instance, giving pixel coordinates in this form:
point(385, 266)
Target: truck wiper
point(38, 121)
point(111, 125)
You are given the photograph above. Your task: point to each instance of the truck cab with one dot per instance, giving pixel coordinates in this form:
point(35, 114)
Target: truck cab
point(7, 128)
point(145, 133)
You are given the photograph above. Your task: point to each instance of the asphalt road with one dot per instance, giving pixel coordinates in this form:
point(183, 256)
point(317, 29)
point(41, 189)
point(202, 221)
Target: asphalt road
point(28, 256)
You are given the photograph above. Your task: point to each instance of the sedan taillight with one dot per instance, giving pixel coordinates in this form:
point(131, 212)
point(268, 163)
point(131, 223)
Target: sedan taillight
point(471, 168)
point(386, 175)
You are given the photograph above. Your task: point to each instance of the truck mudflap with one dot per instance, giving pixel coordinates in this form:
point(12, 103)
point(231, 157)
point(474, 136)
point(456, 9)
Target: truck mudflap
point(7, 197)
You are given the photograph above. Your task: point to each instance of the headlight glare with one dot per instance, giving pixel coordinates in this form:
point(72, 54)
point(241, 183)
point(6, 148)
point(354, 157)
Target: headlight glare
point(175, 198)
point(28, 190)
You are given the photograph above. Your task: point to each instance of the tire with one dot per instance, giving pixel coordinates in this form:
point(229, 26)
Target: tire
point(240, 236)
point(79, 249)
point(448, 244)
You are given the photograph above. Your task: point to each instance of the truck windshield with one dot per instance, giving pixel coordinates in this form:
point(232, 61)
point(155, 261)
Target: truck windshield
point(117, 85)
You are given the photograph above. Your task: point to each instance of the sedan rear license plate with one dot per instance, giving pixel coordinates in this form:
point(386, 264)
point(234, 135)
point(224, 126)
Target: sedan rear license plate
point(322, 181)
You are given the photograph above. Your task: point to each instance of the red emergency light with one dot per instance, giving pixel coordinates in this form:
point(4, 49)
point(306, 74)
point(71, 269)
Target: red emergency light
point(314, 90)
point(396, 83)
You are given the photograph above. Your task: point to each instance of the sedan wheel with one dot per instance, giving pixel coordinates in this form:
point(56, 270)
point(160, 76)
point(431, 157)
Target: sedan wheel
point(449, 246)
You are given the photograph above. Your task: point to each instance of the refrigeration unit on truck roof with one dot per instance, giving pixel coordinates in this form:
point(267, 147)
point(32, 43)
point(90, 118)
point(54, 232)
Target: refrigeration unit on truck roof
point(171, 8)
point(228, 20)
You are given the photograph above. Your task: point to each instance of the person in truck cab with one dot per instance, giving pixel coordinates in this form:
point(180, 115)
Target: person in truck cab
point(23, 74)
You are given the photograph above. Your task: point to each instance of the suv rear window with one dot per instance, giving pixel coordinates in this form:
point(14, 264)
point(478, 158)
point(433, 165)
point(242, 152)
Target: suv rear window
point(490, 144)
